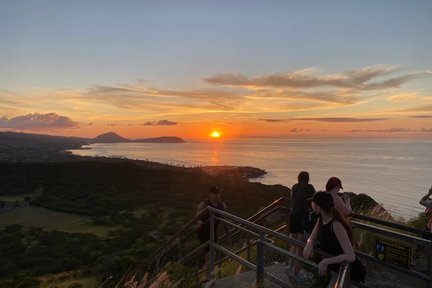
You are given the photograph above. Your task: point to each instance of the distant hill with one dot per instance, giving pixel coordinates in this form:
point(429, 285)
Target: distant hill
point(112, 137)
point(17, 147)
point(15, 137)
point(163, 139)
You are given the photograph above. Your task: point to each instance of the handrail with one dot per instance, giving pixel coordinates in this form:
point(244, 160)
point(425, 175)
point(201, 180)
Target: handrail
point(250, 226)
point(197, 217)
point(398, 235)
point(265, 230)
point(399, 226)
point(271, 205)
point(267, 213)
point(343, 280)
point(393, 266)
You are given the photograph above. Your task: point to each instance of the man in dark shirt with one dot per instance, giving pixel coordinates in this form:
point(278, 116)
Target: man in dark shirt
point(203, 230)
point(300, 193)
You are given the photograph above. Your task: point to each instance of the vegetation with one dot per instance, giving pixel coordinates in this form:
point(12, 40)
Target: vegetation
point(139, 203)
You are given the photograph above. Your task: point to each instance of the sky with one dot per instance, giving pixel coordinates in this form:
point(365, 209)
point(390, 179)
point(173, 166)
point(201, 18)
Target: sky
point(243, 68)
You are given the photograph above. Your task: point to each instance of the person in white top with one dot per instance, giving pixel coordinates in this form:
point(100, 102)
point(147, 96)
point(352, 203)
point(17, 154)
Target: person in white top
point(333, 186)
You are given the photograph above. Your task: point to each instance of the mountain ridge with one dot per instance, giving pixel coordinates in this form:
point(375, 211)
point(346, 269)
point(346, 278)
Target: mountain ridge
point(112, 137)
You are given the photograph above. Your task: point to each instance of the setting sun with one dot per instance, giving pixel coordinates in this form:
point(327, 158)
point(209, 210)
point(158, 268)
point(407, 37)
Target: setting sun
point(215, 134)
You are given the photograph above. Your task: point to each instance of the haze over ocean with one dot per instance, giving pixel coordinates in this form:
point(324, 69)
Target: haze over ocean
point(396, 173)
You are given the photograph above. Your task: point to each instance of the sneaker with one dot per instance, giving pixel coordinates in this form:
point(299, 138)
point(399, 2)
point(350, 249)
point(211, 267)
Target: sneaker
point(302, 278)
point(290, 272)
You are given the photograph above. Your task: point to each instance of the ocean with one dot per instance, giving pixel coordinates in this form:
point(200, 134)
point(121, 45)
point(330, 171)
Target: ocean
point(396, 173)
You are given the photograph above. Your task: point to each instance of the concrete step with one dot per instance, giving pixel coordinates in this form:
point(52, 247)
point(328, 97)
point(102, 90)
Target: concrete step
point(247, 279)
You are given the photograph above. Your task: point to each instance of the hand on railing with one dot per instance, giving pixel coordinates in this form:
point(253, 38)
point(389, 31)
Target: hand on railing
point(322, 267)
point(198, 224)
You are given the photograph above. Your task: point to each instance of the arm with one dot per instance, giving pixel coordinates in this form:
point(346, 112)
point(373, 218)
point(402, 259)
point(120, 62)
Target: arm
point(345, 243)
point(347, 200)
point(312, 189)
point(226, 226)
point(425, 200)
point(344, 208)
point(199, 210)
point(308, 249)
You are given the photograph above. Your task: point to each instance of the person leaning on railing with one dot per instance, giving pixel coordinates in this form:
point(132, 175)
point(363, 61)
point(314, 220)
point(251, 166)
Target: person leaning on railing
point(333, 234)
point(427, 202)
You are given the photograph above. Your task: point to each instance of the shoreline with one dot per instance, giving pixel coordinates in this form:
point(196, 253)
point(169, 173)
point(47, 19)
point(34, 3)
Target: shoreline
point(250, 173)
point(385, 174)
point(367, 205)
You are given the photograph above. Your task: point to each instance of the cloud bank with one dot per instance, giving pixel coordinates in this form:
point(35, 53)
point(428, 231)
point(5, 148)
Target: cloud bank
point(362, 79)
point(37, 121)
point(330, 119)
point(160, 123)
point(235, 95)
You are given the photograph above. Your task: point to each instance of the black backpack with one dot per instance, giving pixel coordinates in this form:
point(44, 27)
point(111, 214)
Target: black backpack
point(309, 220)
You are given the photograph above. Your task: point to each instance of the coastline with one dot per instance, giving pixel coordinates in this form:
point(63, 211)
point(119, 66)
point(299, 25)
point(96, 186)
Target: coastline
point(383, 170)
point(63, 152)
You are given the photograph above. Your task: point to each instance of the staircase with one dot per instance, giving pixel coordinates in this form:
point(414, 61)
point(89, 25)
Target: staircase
point(255, 251)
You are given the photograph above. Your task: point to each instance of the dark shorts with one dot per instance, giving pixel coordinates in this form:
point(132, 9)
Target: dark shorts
point(296, 223)
point(203, 234)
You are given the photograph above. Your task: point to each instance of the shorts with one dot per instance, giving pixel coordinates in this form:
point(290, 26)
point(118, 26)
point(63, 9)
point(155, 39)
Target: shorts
point(203, 234)
point(296, 223)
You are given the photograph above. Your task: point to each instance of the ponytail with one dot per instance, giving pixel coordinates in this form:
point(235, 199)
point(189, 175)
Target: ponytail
point(339, 217)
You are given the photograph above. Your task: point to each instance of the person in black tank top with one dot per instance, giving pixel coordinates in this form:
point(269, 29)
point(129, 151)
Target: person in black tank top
point(331, 232)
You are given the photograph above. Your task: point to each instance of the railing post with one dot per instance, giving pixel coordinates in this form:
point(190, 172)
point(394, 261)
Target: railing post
point(429, 265)
point(260, 261)
point(248, 250)
point(218, 257)
point(287, 215)
point(287, 223)
point(179, 248)
point(212, 238)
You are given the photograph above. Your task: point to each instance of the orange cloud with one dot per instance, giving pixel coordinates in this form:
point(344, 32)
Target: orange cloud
point(403, 97)
point(307, 78)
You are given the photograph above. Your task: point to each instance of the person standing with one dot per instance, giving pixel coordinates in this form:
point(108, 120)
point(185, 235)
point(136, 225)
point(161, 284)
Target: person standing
point(426, 201)
point(333, 186)
point(300, 193)
point(203, 224)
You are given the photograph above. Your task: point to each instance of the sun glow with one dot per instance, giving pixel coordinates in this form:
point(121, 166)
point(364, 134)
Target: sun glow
point(215, 134)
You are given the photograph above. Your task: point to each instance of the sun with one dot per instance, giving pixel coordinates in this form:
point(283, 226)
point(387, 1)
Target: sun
point(215, 134)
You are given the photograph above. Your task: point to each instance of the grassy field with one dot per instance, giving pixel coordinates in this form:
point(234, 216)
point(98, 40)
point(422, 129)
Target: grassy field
point(13, 198)
point(52, 220)
point(51, 281)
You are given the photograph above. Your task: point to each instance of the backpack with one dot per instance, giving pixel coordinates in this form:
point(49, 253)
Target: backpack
point(358, 271)
point(309, 220)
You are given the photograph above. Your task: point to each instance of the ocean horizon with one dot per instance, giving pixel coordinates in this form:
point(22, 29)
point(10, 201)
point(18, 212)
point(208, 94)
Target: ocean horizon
point(395, 172)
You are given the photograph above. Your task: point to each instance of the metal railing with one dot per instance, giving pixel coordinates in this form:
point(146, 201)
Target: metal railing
point(409, 236)
point(183, 247)
point(262, 247)
point(343, 280)
point(269, 260)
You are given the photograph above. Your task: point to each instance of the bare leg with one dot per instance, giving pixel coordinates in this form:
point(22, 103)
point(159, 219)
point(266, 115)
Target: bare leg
point(207, 265)
point(297, 251)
